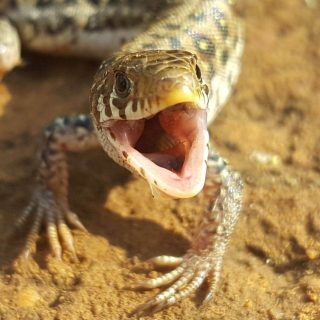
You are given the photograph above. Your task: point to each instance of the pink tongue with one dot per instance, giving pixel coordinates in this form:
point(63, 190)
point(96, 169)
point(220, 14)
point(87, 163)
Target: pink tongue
point(128, 132)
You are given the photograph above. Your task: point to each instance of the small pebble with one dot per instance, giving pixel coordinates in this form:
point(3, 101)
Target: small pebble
point(27, 298)
point(265, 158)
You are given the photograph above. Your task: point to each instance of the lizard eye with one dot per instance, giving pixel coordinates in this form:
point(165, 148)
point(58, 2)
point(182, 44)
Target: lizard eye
point(198, 72)
point(122, 85)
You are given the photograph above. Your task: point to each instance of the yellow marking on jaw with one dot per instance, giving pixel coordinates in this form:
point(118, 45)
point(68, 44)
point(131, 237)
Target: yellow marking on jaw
point(182, 94)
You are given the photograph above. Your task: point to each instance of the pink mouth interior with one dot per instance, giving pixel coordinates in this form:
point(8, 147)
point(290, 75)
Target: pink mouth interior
point(170, 148)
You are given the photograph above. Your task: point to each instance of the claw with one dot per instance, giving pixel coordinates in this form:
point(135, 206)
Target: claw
point(185, 280)
point(207, 299)
point(53, 235)
point(47, 209)
point(166, 261)
point(33, 234)
point(168, 296)
point(188, 289)
point(214, 279)
point(67, 238)
point(74, 220)
point(141, 310)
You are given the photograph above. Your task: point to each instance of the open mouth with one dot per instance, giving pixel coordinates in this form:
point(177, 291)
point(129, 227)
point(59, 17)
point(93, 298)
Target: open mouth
point(169, 149)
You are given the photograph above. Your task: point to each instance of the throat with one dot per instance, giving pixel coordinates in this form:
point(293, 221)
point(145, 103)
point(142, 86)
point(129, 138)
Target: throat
point(162, 148)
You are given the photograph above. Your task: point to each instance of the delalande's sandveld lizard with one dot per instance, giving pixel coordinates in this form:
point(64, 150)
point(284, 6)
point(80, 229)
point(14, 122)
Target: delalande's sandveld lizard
point(150, 105)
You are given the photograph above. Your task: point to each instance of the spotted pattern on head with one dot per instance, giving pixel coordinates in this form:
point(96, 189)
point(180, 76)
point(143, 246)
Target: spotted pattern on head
point(152, 76)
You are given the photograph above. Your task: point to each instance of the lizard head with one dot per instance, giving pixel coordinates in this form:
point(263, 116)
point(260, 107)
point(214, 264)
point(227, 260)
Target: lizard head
point(150, 114)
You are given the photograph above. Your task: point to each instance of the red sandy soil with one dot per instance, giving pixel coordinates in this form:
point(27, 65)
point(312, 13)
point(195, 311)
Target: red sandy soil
point(272, 267)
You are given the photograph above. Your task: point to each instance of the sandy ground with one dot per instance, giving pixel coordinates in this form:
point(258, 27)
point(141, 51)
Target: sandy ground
point(269, 131)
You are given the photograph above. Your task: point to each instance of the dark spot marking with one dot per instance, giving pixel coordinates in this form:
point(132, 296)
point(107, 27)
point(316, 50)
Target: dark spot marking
point(125, 154)
point(157, 36)
point(225, 32)
point(14, 3)
point(122, 114)
point(107, 106)
point(66, 121)
point(134, 105)
point(95, 2)
point(224, 57)
point(52, 127)
point(119, 103)
point(142, 104)
point(149, 102)
point(214, 157)
point(197, 17)
point(222, 27)
point(149, 46)
point(172, 26)
point(175, 42)
point(83, 121)
point(142, 172)
point(43, 3)
point(59, 25)
point(155, 182)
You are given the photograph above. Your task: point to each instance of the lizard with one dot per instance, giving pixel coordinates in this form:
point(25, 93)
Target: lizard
point(170, 66)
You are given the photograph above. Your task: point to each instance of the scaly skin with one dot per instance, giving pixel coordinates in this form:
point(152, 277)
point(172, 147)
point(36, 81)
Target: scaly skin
point(150, 105)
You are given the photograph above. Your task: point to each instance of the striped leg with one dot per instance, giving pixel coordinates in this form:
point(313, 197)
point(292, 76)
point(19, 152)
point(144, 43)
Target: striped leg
point(223, 190)
point(49, 202)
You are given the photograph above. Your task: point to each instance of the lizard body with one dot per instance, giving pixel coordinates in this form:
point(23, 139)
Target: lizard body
point(150, 104)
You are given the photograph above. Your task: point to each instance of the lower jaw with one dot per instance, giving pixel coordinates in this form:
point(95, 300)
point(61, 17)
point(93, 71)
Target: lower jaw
point(183, 182)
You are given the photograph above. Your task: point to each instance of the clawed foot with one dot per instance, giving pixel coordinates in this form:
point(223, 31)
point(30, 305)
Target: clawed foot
point(55, 216)
point(188, 275)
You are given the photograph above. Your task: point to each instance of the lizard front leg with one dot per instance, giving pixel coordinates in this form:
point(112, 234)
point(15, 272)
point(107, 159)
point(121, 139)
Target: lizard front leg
point(204, 259)
point(49, 202)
